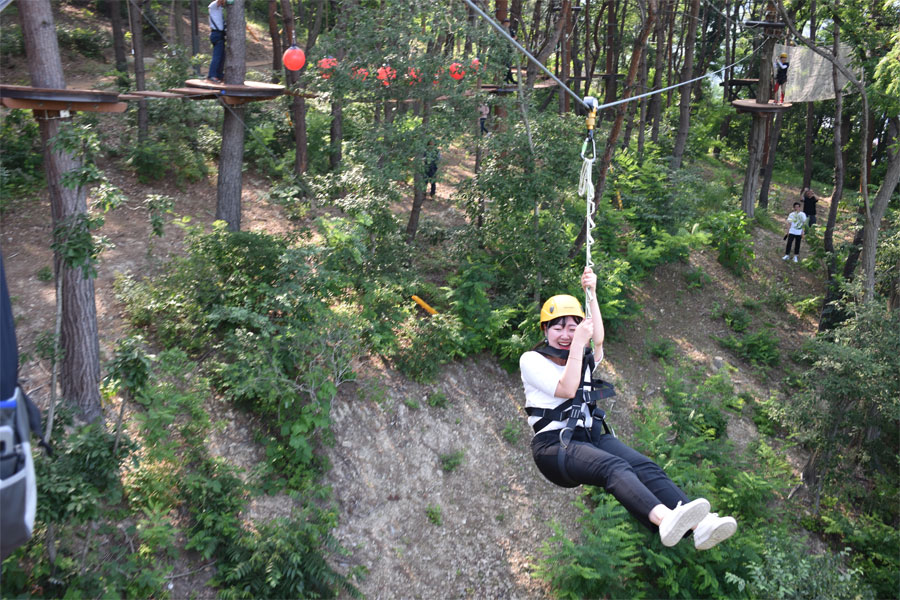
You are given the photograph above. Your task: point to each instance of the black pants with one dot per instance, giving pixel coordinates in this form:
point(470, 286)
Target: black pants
point(602, 460)
point(793, 238)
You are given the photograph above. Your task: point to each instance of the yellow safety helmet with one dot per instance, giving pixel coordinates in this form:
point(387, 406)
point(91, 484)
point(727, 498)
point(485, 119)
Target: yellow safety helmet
point(784, 55)
point(562, 305)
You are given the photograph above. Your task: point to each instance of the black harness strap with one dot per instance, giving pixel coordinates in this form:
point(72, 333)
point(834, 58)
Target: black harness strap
point(571, 410)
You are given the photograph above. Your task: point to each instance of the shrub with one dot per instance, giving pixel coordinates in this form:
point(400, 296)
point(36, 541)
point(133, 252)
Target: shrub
point(451, 461)
point(662, 349)
point(434, 514)
point(696, 278)
point(759, 348)
point(285, 558)
point(22, 167)
point(84, 41)
point(731, 237)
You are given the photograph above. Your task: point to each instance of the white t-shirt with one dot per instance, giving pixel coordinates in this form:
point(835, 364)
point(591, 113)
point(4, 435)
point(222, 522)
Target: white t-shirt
point(540, 376)
point(216, 16)
point(796, 220)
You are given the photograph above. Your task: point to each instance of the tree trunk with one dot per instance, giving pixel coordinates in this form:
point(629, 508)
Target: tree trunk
point(195, 32)
point(655, 108)
point(687, 73)
point(335, 153)
point(879, 206)
point(774, 136)
point(80, 365)
point(137, 40)
point(758, 130)
point(115, 17)
point(276, 40)
point(831, 314)
point(639, 45)
point(178, 20)
point(566, 51)
point(810, 112)
point(231, 157)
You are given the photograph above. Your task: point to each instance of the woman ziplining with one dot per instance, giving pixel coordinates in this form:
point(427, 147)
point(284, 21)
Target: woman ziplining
point(574, 446)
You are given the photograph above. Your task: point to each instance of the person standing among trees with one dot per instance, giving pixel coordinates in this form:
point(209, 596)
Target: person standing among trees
point(796, 220)
point(572, 445)
point(483, 112)
point(432, 156)
point(781, 69)
point(217, 39)
point(809, 205)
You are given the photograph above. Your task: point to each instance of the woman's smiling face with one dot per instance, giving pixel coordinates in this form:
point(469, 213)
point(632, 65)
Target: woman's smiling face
point(560, 334)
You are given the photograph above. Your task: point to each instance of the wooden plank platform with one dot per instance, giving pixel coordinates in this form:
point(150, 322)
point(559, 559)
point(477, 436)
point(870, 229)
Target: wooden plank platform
point(50, 99)
point(249, 89)
point(194, 93)
point(752, 106)
point(139, 94)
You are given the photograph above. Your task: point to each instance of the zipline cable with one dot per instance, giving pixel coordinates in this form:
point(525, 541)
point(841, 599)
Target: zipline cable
point(538, 64)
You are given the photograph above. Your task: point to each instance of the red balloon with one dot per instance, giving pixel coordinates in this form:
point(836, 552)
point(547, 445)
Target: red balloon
point(325, 65)
point(456, 71)
point(293, 59)
point(476, 64)
point(385, 75)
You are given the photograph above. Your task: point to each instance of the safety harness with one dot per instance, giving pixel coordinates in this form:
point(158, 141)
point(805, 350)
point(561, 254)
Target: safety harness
point(584, 402)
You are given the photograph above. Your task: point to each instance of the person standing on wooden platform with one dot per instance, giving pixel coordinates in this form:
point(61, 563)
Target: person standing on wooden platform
point(217, 39)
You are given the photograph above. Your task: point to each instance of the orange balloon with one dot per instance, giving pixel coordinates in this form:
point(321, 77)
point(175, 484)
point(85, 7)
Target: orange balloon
point(456, 71)
point(294, 58)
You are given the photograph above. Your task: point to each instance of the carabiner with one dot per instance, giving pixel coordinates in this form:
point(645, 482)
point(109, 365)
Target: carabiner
point(591, 103)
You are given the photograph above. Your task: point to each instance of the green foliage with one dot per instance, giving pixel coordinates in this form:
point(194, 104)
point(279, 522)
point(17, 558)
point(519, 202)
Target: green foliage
point(759, 348)
point(158, 205)
point(285, 558)
point(697, 411)
point(786, 570)
point(45, 274)
point(81, 479)
point(452, 460)
point(21, 169)
point(130, 367)
point(737, 318)
point(778, 294)
point(512, 433)
point(662, 349)
point(434, 514)
point(86, 42)
point(731, 237)
point(809, 307)
point(437, 399)
point(11, 41)
point(212, 493)
point(696, 278)
point(76, 245)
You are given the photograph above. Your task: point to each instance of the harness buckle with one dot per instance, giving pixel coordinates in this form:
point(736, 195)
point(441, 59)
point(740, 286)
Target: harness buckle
point(565, 437)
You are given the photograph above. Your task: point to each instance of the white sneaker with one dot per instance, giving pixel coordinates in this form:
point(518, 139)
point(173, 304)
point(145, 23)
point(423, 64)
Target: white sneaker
point(795, 259)
point(682, 518)
point(712, 530)
point(785, 257)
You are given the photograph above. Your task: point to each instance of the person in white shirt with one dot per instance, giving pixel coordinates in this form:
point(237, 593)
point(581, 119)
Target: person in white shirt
point(217, 39)
point(796, 221)
point(572, 445)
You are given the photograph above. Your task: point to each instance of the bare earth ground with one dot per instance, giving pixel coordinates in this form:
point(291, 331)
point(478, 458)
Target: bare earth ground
point(496, 509)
